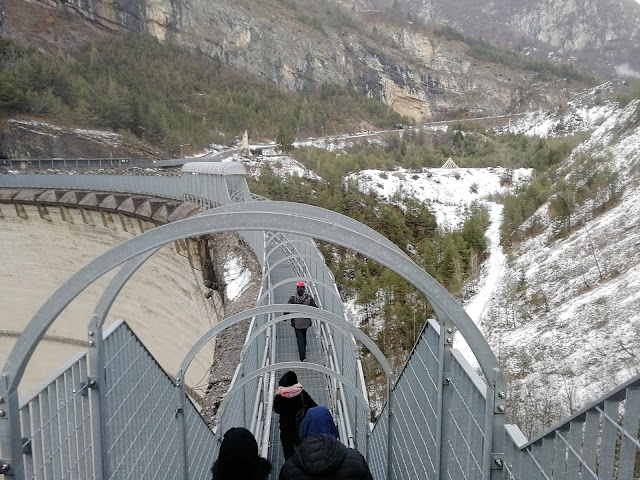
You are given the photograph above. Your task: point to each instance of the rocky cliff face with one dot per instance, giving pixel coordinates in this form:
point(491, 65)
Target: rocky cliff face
point(30, 139)
point(600, 34)
point(419, 75)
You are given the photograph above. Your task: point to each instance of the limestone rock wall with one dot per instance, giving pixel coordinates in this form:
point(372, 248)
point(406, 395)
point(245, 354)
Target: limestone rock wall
point(418, 75)
point(597, 34)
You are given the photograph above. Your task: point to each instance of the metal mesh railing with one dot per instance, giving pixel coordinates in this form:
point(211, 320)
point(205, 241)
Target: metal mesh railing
point(438, 421)
point(56, 427)
point(202, 446)
point(463, 422)
point(165, 187)
point(600, 442)
point(378, 451)
point(140, 407)
point(437, 417)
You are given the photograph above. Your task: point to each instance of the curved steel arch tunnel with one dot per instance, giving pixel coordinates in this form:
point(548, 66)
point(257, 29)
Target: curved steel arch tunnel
point(281, 216)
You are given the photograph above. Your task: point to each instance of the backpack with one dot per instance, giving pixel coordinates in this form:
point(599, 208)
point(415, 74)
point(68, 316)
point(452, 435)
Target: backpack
point(301, 322)
point(300, 414)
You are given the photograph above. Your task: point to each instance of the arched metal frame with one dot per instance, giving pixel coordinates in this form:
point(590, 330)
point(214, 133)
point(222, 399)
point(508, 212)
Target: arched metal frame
point(332, 232)
point(328, 288)
point(277, 308)
point(288, 366)
point(290, 257)
point(251, 216)
point(328, 317)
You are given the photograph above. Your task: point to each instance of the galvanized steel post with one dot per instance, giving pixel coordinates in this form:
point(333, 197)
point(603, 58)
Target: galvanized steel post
point(181, 425)
point(97, 384)
point(11, 464)
point(389, 430)
point(447, 331)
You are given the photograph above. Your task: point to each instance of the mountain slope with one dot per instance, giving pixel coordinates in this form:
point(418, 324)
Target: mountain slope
point(603, 35)
point(565, 318)
point(301, 45)
point(561, 310)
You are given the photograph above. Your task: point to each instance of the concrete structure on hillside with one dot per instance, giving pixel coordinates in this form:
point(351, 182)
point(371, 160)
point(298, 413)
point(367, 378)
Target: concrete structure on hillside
point(46, 235)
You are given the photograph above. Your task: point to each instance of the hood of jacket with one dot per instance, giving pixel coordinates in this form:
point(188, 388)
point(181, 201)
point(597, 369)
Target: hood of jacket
point(316, 421)
point(320, 455)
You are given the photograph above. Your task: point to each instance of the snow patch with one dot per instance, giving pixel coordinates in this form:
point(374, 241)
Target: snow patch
point(448, 191)
point(236, 277)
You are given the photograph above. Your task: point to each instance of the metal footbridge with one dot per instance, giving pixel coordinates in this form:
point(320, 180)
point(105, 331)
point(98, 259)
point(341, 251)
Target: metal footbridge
point(113, 413)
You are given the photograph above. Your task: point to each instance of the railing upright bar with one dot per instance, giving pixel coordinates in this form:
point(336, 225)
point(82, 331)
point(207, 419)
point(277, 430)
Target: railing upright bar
point(389, 430)
point(574, 459)
point(546, 454)
point(590, 443)
point(559, 456)
point(629, 446)
point(269, 408)
point(96, 381)
point(182, 427)
point(445, 342)
point(10, 436)
point(609, 438)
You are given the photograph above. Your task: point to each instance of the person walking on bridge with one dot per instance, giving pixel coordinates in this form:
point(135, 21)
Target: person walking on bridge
point(320, 455)
point(290, 399)
point(301, 325)
point(238, 458)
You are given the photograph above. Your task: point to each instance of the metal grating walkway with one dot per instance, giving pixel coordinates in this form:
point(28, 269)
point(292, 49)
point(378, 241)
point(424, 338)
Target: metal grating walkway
point(314, 383)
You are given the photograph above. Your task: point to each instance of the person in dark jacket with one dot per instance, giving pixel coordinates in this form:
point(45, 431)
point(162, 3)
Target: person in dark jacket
point(290, 398)
point(321, 456)
point(301, 325)
point(238, 458)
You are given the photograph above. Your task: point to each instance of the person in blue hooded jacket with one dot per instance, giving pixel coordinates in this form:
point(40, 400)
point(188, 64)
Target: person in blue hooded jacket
point(320, 455)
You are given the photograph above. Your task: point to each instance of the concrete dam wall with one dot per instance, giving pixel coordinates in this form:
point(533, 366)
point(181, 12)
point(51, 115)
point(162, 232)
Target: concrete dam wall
point(46, 236)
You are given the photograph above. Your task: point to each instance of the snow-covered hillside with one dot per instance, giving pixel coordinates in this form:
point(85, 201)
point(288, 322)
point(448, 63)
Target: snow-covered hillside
point(562, 315)
point(565, 317)
point(449, 191)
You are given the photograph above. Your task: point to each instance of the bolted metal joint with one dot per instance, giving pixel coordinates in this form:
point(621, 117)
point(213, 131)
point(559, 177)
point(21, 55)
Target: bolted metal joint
point(502, 394)
point(92, 383)
point(4, 468)
point(502, 408)
point(499, 462)
point(449, 340)
point(2, 413)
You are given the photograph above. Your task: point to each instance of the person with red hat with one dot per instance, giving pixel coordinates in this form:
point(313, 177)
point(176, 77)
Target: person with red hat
point(301, 325)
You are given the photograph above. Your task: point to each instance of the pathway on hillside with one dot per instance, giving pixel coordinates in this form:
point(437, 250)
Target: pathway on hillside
point(492, 272)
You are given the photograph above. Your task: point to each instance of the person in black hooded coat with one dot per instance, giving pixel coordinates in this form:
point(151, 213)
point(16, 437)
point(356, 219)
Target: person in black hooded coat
point(238, 458)
point(320, 455)
point(289, 399)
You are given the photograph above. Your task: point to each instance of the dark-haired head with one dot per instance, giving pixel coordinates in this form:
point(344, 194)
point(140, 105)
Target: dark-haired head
point(238, 457)
point(288, 379)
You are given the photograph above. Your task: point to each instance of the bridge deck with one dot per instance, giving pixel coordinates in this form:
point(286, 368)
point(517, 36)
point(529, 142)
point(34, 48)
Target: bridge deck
point(286, 351)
